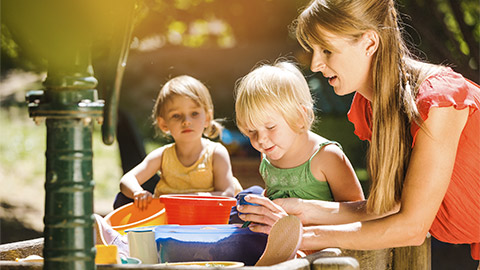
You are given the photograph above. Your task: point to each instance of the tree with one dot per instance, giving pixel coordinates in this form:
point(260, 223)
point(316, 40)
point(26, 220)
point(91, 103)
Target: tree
point(445, 31)
point(448, 32)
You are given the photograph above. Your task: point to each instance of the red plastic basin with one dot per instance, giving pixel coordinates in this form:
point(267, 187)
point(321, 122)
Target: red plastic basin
point(197, 210)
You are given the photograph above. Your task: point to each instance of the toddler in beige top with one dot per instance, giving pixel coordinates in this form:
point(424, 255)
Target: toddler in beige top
point(192, 164)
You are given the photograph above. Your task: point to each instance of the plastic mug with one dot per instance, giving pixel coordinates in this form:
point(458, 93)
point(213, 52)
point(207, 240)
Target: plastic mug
point(142, 245)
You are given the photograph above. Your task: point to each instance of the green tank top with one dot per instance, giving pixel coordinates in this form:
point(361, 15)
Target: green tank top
point(297, 182)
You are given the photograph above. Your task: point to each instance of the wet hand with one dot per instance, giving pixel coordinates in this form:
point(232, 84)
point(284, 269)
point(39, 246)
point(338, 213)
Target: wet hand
point(142, 199)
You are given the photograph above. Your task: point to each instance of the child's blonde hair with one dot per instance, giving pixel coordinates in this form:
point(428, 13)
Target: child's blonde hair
point(192, 88)
point(280, 87)
point(396, 76)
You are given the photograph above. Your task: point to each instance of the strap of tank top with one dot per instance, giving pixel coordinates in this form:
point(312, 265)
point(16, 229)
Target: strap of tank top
point(322, 145)
point(211, 146)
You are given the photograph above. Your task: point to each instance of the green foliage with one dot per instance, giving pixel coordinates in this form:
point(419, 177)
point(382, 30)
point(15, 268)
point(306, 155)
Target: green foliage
point(8, 45)
point(12, 56)
point(213, 23)
point(18, 147)
point(452, 25)
point(448, 32)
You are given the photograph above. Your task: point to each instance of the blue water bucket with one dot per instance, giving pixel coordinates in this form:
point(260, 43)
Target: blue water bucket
point(184, 243)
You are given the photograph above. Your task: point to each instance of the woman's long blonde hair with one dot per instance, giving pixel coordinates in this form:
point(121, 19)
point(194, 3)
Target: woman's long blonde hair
point(396, 76)
point(194, 89)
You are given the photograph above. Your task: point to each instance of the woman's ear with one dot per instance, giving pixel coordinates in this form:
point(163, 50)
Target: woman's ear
point(371, 41)
point(162, 125)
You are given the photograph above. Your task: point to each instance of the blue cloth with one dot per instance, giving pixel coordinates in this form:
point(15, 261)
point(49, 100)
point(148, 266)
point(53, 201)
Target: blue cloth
point(257, 190)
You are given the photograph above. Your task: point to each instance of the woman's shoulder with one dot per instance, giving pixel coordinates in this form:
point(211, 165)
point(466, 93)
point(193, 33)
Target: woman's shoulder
point(446, 82)
point(447, 88)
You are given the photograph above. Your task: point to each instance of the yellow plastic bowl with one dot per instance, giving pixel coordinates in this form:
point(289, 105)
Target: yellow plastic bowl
point(129, 216)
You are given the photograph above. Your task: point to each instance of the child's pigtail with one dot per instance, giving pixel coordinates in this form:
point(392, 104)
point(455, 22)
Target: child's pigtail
point(214, 130)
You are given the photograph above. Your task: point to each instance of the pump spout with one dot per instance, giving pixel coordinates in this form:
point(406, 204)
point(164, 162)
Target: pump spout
point(110, 67)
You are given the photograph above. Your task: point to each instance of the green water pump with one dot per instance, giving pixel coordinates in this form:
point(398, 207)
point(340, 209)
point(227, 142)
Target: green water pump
point(64, 34)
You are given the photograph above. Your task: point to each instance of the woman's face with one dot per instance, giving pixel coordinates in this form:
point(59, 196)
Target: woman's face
point(347, 66)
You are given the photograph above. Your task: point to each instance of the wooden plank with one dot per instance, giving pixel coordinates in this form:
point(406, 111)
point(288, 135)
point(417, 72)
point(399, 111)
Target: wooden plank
point(22, 249)
point(336, 263)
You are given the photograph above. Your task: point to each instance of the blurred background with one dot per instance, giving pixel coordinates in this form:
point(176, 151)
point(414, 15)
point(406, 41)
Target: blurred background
point(218, 42)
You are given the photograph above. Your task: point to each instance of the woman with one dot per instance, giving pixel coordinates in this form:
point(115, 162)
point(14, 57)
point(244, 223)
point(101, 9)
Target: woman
point(423, 125)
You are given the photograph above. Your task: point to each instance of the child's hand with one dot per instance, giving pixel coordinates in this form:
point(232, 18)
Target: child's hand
point(141, 199)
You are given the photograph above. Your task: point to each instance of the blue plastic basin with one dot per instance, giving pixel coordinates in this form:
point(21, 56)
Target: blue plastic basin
point(185, 243)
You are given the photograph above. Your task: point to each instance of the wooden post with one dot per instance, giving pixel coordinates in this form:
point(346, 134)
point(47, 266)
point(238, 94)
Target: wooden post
point(413, 257)
point(371, 259)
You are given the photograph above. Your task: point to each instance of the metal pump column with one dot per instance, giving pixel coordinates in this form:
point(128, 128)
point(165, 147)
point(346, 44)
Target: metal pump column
point(62, 34)
point(69, 104)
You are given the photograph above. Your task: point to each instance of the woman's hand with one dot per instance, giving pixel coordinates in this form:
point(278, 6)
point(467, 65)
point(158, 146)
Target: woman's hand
point(142, 198)
point(263, 216)
point(293, 206)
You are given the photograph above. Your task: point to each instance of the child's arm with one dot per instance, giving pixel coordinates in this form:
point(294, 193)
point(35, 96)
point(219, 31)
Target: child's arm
point(333, 165)
point(223, 180)
point(131, 182)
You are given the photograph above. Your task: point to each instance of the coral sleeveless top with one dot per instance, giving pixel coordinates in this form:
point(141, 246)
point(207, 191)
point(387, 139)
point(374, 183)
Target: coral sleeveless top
point(297, 182)
point(458, 219)
point(176, 178)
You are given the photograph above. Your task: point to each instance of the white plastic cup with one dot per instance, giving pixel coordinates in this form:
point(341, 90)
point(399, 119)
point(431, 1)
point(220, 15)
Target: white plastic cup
point(142, 245)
